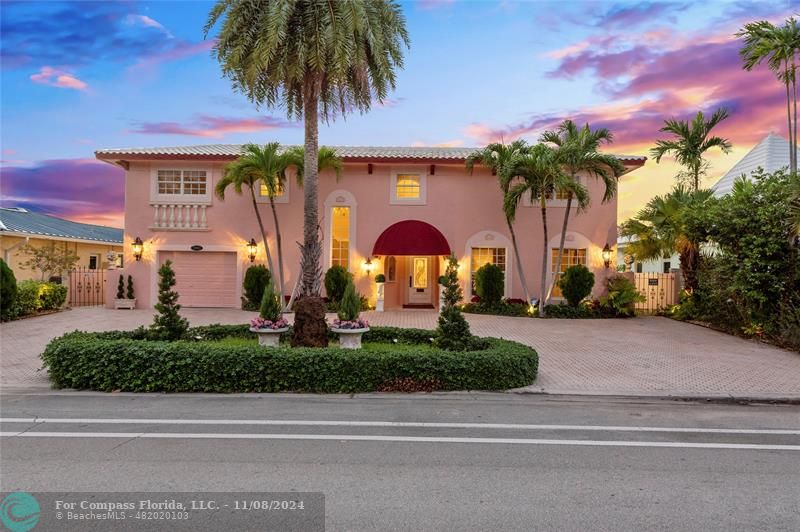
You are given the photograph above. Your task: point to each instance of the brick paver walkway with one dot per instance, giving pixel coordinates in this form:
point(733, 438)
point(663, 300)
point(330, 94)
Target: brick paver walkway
point(642, 356)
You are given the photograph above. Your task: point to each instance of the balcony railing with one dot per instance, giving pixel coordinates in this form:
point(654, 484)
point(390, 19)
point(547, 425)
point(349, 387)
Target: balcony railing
point(179, 217)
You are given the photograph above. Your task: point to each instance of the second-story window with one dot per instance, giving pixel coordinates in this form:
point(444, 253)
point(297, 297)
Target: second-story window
point(280, 191)
point(408, 186)
point(182, 182)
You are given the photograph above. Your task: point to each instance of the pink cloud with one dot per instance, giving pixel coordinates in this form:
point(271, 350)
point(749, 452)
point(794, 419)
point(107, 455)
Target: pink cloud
point(212, 126)
point(180, 51)
point(445, 144)
point(58, 78)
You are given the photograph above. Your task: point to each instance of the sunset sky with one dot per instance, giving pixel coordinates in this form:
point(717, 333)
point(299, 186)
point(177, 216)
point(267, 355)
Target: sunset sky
point(81, 76)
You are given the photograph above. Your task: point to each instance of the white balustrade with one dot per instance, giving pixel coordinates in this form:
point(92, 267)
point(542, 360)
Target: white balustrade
point(179, 217)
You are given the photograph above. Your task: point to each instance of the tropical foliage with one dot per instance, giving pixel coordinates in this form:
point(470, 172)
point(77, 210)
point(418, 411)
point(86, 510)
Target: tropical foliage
point(778, 46)
point(452, 332)
point(576, 284)
point(576, 150)
point(49, 260)
point(496, 156)
point(690, 142)
point(750, 280)
point(660, 228)
point(538, 175)
point(490, 283)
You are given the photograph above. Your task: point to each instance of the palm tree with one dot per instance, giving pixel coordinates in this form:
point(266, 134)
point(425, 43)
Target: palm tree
point(691, 142)
point(319, 60)
point(495, 156)
point(778, 46)
point(255, 166)
point(327, 159)
point(577, 152)
point(660, 229)
point(540, 175)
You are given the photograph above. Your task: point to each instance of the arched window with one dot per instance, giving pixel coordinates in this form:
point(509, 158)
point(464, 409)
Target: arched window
point(390, 270)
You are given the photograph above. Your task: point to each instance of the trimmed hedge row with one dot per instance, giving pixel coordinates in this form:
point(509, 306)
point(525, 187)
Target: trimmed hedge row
point(119, 361)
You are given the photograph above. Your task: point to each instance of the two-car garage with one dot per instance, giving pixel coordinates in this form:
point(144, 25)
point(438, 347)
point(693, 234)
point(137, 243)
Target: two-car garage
point(204, 278)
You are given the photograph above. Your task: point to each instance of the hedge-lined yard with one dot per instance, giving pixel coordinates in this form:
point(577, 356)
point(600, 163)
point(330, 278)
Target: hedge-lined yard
point(125, 361)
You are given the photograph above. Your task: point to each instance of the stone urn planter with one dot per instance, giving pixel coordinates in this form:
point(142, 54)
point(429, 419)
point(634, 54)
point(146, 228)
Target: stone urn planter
point(129, 304)
point(350, 338)
point(269, 337)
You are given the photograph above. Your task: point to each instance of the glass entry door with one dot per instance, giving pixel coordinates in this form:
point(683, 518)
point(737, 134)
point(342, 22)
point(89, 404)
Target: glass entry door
point(419, 281)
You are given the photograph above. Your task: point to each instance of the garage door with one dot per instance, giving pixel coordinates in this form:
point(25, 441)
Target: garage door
point(203, 279)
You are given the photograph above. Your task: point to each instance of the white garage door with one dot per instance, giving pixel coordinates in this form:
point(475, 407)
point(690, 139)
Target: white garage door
point(203, 279)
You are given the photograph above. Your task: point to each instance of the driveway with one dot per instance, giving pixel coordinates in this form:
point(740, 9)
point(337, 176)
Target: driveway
point(646, 356)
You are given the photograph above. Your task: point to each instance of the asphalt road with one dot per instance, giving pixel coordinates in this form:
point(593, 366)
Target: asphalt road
point(425, 462)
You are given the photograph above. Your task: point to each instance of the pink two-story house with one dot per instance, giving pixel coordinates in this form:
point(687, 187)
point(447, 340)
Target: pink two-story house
point(396, 210)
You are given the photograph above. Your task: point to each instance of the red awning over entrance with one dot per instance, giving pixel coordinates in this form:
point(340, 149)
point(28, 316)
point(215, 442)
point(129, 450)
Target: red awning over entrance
point(411, 237)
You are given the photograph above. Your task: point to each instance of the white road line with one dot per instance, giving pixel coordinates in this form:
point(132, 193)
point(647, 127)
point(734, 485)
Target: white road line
point(403, 439)
point(412, 424)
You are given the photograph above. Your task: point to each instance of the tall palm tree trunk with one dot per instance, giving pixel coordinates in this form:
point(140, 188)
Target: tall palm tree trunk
point(560, 256)
point(520, 270)
point(312, 249)
point(543, 203)
point(792, 142)
point(279, 246)
point(263, 232)
point(310, 328)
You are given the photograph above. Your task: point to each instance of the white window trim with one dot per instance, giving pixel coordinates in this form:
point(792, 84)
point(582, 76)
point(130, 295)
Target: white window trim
point(96, 262)
point(526, 199)
point(278, 199)
point(423, 186)
point(489, 239)
point(193, 199)
point(340, 198)
point(574, 240)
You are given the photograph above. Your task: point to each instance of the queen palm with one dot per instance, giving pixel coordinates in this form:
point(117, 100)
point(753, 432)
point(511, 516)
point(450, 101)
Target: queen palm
point(256, 166)
point(318, 60)
point(778, 46)
point(690, 143)
point(660, 229)
point(495, 156)
point(540, 176)
point(576, 150)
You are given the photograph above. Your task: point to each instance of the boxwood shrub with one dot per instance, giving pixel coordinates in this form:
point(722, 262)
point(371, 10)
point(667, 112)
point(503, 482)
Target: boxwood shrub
point(123, 360)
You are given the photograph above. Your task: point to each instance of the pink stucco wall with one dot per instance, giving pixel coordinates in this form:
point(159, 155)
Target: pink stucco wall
point(465, 208)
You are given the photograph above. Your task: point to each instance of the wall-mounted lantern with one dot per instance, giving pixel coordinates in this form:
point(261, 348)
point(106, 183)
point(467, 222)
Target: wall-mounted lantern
point(607, 255)
point(138, 248)
point(368, 265)
point(252, 249)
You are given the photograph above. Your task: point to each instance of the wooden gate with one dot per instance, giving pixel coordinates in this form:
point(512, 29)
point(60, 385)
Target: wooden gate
point(661, 290)
point(87, 287)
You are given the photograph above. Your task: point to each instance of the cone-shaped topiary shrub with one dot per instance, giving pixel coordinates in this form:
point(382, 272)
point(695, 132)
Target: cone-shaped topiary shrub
point(270, 303)
point(350, 306)
point(121, 288)
point(167, 324)
point(130, 294)
point(453, 331)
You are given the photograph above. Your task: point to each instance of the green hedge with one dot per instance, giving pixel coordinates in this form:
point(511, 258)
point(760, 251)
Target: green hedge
point(37, 296)
point(119, 360)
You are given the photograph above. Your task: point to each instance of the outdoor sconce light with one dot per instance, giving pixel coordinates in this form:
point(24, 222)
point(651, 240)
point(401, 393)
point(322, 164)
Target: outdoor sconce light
point(137, 247)
point(607, 256)
point(252, 249)
point(368, 265)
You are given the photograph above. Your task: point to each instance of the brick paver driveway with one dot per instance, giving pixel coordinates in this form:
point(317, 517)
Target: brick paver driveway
point(642, 356)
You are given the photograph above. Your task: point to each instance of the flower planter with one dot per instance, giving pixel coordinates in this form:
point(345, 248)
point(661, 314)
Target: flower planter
point(269, 337)
point(350, 338)
point(129, 304)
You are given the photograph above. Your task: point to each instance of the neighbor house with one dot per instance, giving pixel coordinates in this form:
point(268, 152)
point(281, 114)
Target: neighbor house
point(396, 210)
point(97, 246)
point(771, 154)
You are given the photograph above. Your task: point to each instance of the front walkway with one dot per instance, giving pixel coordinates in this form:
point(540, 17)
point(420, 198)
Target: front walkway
point(642, 356)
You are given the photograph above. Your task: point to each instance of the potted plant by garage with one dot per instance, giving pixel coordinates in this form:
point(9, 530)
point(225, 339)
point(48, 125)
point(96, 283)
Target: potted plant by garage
point(349, 326)
point(270, 323)
point(125, 301)
point(380, 279)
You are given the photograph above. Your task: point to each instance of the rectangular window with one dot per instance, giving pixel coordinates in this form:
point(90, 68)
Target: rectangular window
point(182, 182)
point(571, 257)
point(264, 191)
point(667, 266)
point(408, 186)
point(481, 256)
point(93, 261)
point(340, 237)
point(564, 195)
